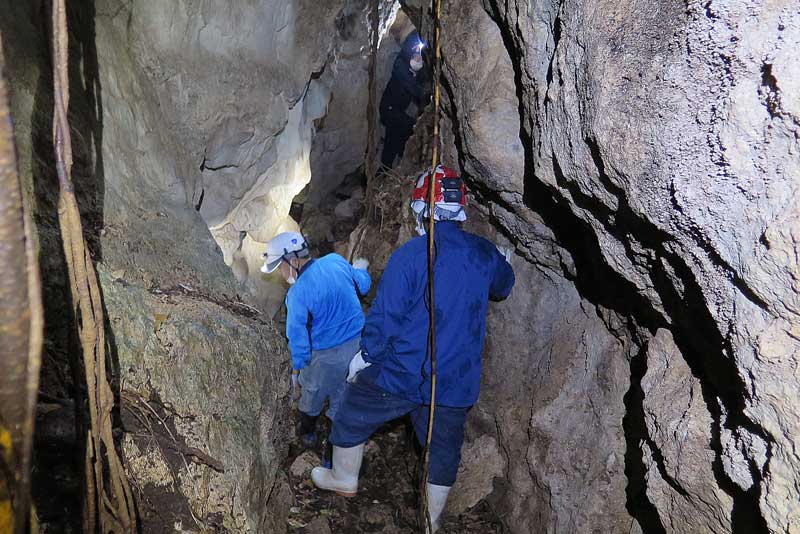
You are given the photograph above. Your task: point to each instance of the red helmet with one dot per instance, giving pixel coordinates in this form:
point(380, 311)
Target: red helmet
point(450, 197)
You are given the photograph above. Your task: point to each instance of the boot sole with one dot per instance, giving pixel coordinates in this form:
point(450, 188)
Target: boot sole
point(348, 494)
point(325, 484)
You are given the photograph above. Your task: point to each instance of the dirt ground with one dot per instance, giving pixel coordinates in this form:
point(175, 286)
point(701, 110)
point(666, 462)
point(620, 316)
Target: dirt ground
point(387, 499)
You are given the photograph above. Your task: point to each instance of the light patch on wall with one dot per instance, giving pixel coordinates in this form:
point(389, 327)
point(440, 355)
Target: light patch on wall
point(263, 210)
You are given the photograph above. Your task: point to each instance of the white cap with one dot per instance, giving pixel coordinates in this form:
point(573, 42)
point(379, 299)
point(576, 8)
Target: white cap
point(282, 245)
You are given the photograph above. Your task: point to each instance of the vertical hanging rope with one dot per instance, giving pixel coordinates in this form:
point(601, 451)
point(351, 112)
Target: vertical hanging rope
point(108, 503)
point(371, 167)
point(437, 72)
point(21, 327)
point(372, 110)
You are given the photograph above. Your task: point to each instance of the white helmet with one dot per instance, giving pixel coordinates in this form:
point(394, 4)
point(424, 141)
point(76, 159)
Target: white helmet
point(281, 246)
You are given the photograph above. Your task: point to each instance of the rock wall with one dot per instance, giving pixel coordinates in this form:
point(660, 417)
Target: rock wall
point(341, 139)
point(642, 158)
point(203, 405)
point(645, 154)
point(200, 374)
point(238, 87)
point(553, 399)
point(260, 95)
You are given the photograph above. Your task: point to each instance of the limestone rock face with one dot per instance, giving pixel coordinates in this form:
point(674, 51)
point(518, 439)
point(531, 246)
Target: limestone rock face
point(554, 401)
point(219, 376)
point(246, 88)
point(203, 403)
point(202, 377)
point(648, 154)
point(234, 83)
point(679, 454)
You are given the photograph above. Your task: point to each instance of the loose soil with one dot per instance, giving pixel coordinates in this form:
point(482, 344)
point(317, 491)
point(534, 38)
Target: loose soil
point(387, 499)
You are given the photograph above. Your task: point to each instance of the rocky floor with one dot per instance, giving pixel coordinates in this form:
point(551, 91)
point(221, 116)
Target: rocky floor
point(387, 498)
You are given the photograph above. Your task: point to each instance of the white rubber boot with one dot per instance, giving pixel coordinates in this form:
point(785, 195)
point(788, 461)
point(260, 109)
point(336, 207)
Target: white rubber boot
point(437, 498)
point(343, 477)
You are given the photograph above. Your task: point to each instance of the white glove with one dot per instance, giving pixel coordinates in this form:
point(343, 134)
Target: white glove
point(506, 252)
point(295, 386)
point(357, 364)
point(361, 263)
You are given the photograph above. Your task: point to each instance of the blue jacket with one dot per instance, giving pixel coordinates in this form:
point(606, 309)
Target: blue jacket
point(322, 307)
point(468, 271)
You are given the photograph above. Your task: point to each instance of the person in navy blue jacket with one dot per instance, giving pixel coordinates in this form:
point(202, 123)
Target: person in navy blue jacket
point(391, 376)
point(323, 323)
point(409, 84)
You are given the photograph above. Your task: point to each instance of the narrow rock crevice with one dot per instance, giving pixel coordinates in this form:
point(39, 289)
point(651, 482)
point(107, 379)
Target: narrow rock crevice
point(638, 504)
point(556, 32)
point(688, 314)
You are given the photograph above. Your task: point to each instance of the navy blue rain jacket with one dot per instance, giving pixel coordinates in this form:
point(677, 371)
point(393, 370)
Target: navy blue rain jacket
point(404, 86)
point(468, 272)
point(322, 307)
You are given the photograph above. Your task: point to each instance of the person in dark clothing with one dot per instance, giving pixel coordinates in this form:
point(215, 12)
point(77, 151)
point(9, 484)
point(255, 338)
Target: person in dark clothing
point(391, 374)
point(409, 84)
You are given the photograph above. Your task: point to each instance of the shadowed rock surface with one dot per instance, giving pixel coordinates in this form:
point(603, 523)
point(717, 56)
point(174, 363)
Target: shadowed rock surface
point(653, 165)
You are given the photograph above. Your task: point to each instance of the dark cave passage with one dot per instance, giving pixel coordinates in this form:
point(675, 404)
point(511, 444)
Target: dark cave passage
point(638, 162)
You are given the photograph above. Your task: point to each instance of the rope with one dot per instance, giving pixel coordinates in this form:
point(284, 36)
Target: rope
point(431, 261)
point(372, 110)
point(371, 167)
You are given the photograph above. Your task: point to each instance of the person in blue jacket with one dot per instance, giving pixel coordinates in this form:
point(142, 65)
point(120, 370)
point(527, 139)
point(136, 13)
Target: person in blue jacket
point(409, 84)
point(391, 375)
point(323, 323)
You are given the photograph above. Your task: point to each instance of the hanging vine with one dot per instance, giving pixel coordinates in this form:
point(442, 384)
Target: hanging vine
point(109, 503)
point(437, 92)
point(21, 328)
point(372, 108)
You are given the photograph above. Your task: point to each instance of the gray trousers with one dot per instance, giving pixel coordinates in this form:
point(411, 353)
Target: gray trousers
point(324, 378)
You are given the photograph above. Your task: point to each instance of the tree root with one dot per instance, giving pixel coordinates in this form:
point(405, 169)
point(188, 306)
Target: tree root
point(109, 502)
point(21, 333)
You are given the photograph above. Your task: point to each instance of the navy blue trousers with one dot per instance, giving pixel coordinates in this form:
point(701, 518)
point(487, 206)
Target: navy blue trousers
point(365, 407)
